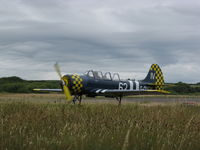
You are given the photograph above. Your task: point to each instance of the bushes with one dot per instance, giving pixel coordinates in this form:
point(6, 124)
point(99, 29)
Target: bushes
point(15, 88)
point(182, 88)
point(18, 85)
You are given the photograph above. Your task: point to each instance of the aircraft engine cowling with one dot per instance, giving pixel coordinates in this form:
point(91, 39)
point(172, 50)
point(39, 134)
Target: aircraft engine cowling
point(75, 84)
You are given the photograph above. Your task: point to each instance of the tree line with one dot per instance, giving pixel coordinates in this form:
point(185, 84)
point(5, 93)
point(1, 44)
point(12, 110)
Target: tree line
point(183, 88)
point(17, 85)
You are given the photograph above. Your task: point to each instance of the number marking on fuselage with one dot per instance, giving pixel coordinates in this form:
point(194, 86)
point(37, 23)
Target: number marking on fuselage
point(123, 86)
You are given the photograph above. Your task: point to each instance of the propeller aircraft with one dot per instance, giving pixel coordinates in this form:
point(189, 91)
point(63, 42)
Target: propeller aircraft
point(95, 83)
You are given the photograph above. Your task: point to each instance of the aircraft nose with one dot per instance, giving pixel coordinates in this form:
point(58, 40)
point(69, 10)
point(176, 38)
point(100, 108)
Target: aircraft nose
point(77, 83)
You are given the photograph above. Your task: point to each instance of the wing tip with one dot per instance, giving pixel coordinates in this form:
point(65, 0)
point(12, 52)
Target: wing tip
point(36, 89)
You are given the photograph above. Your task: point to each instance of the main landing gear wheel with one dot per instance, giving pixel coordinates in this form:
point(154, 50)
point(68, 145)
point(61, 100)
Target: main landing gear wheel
point(77, 98)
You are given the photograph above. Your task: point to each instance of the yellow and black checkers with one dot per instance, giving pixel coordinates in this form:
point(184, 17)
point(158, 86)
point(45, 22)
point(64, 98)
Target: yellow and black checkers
point(159, 82)
point(77, 83)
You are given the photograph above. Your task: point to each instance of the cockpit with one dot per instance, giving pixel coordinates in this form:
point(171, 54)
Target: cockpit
point(100, 75)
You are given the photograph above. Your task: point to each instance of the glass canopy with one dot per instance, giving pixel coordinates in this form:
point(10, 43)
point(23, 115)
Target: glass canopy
point(100, 75)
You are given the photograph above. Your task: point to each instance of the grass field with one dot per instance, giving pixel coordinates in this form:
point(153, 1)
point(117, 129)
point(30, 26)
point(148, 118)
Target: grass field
point(27, 125)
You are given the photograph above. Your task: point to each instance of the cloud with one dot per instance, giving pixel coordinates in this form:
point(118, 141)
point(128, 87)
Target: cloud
point(108, 35)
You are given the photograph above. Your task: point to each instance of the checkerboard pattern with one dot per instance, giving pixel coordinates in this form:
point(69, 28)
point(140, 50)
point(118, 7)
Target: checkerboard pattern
point(159, 76)
point(77, 83)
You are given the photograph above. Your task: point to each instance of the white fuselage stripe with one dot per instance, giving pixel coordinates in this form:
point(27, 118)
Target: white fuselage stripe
point(104, 91)
point(98, 90)
point(137, 85)
point(131, 85)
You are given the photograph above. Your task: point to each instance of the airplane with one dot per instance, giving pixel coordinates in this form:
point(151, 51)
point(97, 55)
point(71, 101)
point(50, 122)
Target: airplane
point(95, 83)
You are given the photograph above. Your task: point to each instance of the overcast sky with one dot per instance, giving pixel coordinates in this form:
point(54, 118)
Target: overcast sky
point(124, 36)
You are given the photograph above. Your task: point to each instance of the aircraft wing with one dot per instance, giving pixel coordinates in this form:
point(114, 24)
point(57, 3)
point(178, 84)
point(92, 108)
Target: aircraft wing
point(48, 90)
point(109, 92)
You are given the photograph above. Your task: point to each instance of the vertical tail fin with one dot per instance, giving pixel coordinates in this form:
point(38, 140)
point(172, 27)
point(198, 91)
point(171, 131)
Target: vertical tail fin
point(155, 77)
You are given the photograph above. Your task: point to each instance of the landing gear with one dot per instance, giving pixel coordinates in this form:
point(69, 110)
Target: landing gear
point(77, 98)
point(119, 99)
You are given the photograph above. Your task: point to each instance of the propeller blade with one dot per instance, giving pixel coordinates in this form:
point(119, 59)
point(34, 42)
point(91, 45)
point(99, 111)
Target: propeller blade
point(67, 91)
point(57, 68)
point(65, 83)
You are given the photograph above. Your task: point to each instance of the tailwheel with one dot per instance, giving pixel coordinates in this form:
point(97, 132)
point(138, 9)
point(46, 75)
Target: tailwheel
point(119, 99)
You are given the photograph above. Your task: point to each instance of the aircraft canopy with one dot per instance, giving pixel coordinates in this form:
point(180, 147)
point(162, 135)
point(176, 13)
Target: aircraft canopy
point(100, 75)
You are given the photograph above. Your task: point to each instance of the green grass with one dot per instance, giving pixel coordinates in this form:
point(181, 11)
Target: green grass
point(99, 126)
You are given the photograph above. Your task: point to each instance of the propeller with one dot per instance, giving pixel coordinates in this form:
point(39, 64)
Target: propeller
point(64, 83)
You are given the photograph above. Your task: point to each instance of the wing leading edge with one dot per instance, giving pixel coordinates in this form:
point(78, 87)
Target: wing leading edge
point(48, 90)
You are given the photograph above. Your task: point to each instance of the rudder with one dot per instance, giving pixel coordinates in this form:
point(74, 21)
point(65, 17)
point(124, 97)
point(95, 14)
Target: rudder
point(155, 77)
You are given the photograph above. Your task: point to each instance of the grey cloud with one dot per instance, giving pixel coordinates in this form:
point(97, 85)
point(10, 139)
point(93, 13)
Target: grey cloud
point(108, 35)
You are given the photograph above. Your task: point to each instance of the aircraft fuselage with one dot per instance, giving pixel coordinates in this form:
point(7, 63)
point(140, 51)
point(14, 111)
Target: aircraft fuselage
point(90, 86)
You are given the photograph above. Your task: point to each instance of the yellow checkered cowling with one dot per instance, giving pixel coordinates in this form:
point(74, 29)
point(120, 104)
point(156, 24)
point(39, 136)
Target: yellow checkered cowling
point(77, 83)
point(159, 76)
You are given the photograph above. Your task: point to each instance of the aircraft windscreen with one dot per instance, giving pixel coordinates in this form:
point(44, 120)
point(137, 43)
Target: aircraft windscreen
point(98, 74)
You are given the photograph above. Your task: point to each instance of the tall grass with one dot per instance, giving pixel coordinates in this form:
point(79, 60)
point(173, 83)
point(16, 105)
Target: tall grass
point(99, 126)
